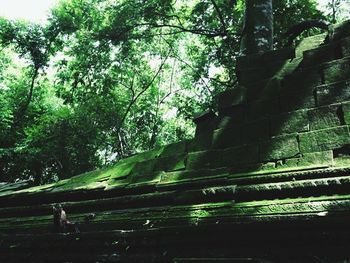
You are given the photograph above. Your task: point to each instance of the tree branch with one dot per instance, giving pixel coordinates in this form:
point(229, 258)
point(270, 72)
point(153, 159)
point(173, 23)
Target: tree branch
point(196, 31)
point(217, 9)
point(135, 98)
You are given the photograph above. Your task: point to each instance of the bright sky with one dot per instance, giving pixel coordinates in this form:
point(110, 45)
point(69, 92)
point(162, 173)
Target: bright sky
point(35, 10)
point(32, 10)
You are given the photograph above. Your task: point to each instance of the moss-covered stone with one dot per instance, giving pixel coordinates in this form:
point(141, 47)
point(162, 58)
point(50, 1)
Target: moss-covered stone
point(238, 156)
point(346, 112)
point(232, 97)
point(302, 81)
point(309, 43)
point(345, 47)
point(189, 175)
point(263, 89)
point(239, 135)
point(202, 141)
point(171, 163)
point(324, 117)
point(321, 54)
point(151, 177)
point(252, 75)
point(311, 159)
point(322, 140)
point(333, 93)
point(203, 159)
point(289, 177)
point(279, 147)
point(296, 101)
point(337, 70)
point(174, 149)
point(237, 114)
point(262, 108)
point(144, 156)
point(291, 122)
point(120, 171)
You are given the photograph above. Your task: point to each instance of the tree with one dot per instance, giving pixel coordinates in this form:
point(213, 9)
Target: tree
point(124, 77)
point(337, 10)
point(258, 26)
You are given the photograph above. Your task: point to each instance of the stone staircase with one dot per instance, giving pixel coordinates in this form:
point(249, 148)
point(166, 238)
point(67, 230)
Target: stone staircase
point(267, 179)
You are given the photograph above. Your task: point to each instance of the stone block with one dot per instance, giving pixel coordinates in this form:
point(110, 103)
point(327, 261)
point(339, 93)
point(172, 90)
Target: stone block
point(262, 108)
point(205, 124)
point(251, 168)
point(346, 112)
point(237, 156)
point(333, 93)
point(238, 135)
point(279, 147)
point(324, 158)
point(226, 137)
point(121, 170)
point(203, 159)
point(204, 117)
point(237, 114)
point(265, 89)
point(290, 122)
point(178, 176)
point(296, 101)
point(144, 156)
point(251, 75)
point(226, 122)
point(337, 70)
point(303, 81)
point(345, 47)
point(145, 167)
point(146, 178)
point(174, 149)
point(322, 54)
point(324, 117)
point(323, 140)
point(254, 75)
point(171, 163)
point(202, 141)
point(232, 97)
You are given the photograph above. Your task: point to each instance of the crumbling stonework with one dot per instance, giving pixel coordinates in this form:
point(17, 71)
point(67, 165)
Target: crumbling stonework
point(266, 179)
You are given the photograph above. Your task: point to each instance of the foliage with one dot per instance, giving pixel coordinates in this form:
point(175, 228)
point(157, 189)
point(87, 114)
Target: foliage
point(337, 10)
point(105, 79)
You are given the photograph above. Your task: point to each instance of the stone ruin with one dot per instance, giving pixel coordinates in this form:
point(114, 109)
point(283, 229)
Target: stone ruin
point(267, 179)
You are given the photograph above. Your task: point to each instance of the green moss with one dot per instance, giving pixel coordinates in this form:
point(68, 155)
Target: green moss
point(346, 111)
point(287, 123)
point(326, 139)
point(324, 158)
point(337, 70)
point(333, 93)
point(144, 156)
point(192, 175)
point(177, 148)
point(279, 147)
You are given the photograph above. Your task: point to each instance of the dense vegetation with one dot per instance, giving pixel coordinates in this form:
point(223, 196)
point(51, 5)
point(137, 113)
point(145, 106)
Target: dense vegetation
point(104, 79)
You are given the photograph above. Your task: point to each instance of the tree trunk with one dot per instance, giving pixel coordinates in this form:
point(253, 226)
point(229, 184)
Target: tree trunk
point(258, 27)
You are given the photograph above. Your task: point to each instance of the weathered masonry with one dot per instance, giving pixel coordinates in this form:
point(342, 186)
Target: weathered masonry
point(265, 180)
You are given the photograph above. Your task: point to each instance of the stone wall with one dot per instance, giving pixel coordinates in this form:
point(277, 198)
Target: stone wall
point(266, 179)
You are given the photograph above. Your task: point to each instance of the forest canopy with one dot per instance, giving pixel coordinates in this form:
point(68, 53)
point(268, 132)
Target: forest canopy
point(103, 79)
